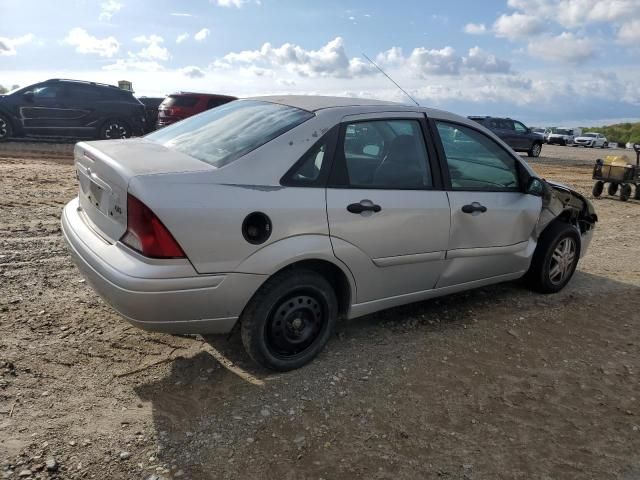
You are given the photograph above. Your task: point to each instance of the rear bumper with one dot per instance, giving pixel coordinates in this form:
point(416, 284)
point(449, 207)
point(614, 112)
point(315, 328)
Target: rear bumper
point(156, 295)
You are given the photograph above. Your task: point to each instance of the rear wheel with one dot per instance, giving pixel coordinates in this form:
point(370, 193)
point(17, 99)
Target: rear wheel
point(625, 192)
point(5, 128)
point(605, 145)
point(637, 195)
point(289, 321)
point(115, 128)
point(535, 150)
point(555, 259)
point(612, 189)
point(598, 187)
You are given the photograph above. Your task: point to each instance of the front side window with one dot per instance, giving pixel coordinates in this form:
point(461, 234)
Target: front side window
point(224, 134)
point(475, 161)
point(46, 91)
point(520, 128)
point(387, 154)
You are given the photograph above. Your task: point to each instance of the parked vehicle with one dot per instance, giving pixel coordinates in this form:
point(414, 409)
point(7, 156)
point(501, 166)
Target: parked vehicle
point(563, 136)
point(592, 140)
point(179, 106)
point(543, 132)
point(278, 215)
point(151, 105)
point(71, 108)
point(513, 133)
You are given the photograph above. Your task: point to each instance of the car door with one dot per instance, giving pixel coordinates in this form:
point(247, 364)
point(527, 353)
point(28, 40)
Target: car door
point(81, 104)
point(523, 137)
point(492, 219)
point(41, 109)
point(388, 216)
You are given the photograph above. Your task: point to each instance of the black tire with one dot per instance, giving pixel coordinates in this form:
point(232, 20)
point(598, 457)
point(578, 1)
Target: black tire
point(5, 129)
point(535, 150)
point(605, 145)
point(612, 189)
point(115, 128)
point(552, 265)
point(637, 195)
point(598, 187)
point(289, 320)
point(625, 192)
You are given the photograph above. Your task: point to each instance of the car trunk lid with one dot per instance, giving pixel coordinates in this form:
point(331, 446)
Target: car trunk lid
point(104, 170)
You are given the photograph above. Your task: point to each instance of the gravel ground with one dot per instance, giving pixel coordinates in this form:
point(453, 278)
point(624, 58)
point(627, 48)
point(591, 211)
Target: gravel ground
point(493, 383)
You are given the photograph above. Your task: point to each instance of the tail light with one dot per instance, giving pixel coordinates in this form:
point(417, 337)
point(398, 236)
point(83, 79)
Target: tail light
point(146, 233)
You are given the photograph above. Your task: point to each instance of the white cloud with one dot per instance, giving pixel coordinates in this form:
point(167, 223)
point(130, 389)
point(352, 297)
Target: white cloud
point(629, 32)
point(475, 28)
point(108, 9)
point(423, 62)
point(153, 49)
point(134, 64)
point(577, 13)
point(518, 25)
point(233, 3)
point(8, 46)
point(181, 14)
point(566, 47)
point(330, 60)
point(182, 37)
point(480, 61)
point(86, 43)
point(201, 35)
point(192, 72)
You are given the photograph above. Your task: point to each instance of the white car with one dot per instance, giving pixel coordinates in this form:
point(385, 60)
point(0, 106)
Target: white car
point(592, 140)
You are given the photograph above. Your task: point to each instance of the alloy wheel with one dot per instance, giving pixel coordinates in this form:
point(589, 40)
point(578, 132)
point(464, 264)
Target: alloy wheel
point(295, 324)
point(4, 128)
point(562, 260)
point(115, 130)
point(537, 148)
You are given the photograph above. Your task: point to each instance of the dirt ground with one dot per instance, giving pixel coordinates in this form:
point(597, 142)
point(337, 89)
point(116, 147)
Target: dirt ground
point(494, 383)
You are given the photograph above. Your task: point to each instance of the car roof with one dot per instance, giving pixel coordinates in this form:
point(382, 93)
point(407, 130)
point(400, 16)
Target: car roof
point(313, 103)
point(216, 95)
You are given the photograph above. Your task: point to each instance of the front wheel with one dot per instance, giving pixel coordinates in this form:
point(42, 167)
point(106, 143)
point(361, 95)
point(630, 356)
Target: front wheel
point(535, 150)
point(5, 128)
point(289, 320)
point(115, 128)
point(598, 187)
point(612, 189)
point(555, 259)
point(605, 145)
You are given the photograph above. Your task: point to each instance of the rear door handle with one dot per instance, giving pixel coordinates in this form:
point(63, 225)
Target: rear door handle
point(474, 207)
point(363, 207)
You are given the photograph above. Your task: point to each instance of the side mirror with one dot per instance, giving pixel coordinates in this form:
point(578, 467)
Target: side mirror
point(535, 187)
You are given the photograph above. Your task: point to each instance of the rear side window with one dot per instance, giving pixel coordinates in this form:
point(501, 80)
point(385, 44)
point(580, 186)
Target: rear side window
point(475, 161)
point(185, 101)
point(47, 91)
point(224, 134)
point(384, 154)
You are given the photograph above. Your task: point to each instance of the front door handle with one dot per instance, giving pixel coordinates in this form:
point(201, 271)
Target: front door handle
point(363, 207)
point(474, 207)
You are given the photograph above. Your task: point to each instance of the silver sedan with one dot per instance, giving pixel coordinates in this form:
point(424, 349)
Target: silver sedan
point(280, 215)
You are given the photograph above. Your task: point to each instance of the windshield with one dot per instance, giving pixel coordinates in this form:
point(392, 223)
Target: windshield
point(591, 135)
point(561, 131)
point(228, 132)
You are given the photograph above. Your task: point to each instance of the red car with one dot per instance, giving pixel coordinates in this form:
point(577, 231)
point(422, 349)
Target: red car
point(179, 106)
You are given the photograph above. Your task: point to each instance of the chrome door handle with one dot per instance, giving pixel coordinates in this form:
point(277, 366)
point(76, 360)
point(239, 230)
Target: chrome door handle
point(474, 207)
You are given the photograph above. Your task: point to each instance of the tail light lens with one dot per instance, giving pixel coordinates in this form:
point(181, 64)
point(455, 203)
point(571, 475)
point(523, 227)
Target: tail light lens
point(146, 233)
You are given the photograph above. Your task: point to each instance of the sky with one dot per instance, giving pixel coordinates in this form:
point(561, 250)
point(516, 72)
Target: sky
point(544, 62)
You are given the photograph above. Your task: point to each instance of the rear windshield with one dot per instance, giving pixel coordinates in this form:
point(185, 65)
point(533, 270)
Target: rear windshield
point(180, 101)
point(228, 132)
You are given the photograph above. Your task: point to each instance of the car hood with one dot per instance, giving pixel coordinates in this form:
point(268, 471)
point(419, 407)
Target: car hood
point(585, 138)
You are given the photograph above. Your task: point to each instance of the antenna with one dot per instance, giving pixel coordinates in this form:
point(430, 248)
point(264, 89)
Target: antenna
point(391, 79)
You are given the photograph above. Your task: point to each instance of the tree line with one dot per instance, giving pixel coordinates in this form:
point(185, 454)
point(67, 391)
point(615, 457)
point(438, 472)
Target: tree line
point(622, 132)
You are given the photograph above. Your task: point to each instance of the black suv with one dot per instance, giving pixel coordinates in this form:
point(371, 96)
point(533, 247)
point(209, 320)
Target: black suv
point(71, 108)
point(515, 134)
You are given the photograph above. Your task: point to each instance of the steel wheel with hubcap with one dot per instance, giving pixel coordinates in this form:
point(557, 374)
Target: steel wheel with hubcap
point(289, 320)
point(5, 129)
point(115, 129)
